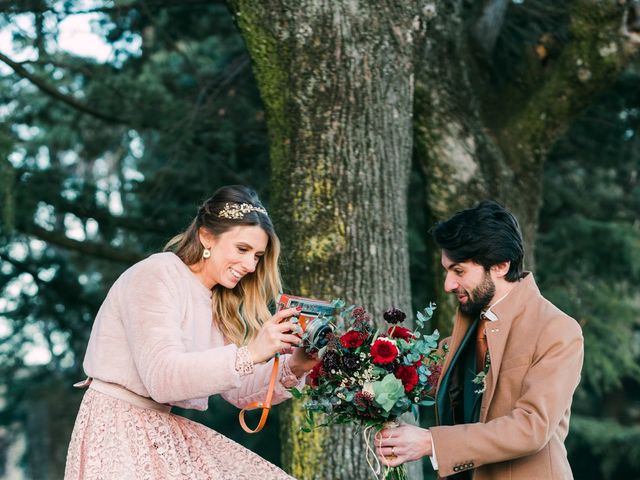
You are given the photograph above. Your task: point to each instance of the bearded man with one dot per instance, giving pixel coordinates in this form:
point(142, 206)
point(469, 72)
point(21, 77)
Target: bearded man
point(512, 365)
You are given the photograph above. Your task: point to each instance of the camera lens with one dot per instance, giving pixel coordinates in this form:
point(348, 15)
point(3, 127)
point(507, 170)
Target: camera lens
point(317, 333)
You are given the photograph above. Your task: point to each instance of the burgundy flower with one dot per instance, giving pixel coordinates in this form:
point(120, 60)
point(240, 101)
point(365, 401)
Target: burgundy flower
point(436, 371)
point(383, 351)
point(394, 315)
point(408, 375)
point(350, 362)
point(331, 361)
point(315, 374)
point(351, 339)
point(363, 399)
point(401, 332)
point(358, 312)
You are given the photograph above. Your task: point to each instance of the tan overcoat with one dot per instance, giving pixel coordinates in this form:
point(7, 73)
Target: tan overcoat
point(536, 356)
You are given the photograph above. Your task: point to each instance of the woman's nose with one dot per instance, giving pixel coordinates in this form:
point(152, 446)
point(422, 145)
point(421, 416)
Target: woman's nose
point(250, 264)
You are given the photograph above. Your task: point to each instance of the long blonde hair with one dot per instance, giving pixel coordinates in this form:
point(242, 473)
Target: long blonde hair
point(239, 312)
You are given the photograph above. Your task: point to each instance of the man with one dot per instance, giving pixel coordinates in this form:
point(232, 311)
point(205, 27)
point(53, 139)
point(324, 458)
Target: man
point(513, 362)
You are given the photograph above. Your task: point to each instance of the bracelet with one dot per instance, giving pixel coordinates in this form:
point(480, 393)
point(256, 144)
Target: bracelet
point(244, 365)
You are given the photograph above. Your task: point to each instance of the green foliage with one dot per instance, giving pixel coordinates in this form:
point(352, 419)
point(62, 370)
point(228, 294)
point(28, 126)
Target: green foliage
point(101, 161)
point(611, 450)
point(117, 154)
point(589, 265)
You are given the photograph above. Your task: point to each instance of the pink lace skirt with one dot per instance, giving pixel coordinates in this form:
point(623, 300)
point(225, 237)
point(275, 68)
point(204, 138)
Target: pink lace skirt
point(113, 439)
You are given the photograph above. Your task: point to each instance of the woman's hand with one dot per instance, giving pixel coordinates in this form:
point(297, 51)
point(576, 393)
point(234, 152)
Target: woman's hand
point(301, 362)
point(274, 336)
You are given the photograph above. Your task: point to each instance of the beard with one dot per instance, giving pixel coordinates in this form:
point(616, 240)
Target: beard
point(478, 299)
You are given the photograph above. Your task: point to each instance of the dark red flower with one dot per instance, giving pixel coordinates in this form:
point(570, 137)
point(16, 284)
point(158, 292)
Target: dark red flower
point(363, 399)
point(358, 312)
point(401, 332)
point(383, 351)
point(315, 373)
point(351, 339)
point(394, 315)
point(436, 371)
point(408, 375)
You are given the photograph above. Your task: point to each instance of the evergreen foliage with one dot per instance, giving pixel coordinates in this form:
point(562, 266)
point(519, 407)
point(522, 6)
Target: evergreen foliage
point(102, 162)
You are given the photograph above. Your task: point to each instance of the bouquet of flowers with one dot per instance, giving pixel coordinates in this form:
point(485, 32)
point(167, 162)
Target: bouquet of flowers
point(371, 376)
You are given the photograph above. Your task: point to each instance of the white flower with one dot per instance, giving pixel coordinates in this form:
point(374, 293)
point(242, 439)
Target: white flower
point(368, 388)
point(384, 339)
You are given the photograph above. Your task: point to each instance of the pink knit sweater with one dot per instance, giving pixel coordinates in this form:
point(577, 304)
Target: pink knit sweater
point(155, 336)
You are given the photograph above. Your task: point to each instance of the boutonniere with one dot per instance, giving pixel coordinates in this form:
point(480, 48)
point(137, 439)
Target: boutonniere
point(481, 377)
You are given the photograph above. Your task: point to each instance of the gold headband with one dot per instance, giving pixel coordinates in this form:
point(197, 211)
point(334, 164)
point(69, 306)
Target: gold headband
point(238, 210)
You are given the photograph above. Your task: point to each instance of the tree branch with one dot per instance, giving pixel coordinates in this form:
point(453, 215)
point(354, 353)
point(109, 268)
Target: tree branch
point(102, 215)
point(53, 92)
point(594, 57)
point(13, 7)
point(93, 249)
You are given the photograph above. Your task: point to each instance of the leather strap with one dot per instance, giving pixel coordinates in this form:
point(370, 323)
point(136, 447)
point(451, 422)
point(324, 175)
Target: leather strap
point(266, 405)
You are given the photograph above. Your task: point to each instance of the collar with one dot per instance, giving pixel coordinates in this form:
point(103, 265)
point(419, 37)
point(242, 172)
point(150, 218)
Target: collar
point(492, 317)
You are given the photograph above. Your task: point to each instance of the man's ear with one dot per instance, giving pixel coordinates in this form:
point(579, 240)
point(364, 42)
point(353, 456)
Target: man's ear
point(501, 269)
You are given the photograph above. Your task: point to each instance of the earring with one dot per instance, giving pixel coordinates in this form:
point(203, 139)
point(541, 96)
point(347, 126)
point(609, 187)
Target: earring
point(206, 253)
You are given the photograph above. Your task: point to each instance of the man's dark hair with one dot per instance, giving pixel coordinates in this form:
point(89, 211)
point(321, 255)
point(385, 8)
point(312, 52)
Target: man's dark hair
point(486, 234)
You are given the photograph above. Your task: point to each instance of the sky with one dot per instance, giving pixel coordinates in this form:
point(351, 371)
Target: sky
point(75, 35)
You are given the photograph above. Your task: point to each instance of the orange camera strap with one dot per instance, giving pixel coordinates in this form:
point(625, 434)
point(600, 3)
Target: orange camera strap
point(266, 405)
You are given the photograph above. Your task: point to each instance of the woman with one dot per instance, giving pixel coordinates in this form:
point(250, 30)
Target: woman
point(175, 328)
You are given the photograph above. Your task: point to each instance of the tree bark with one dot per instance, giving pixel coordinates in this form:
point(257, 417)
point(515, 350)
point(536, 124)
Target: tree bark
point(477, 141)
point(336, 78)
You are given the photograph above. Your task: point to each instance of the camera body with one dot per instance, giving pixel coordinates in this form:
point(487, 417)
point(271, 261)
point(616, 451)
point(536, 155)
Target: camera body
point(314, 319)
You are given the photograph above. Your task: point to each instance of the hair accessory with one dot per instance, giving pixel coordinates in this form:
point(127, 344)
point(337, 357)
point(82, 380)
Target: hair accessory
point(206, 253)
point(238, 210)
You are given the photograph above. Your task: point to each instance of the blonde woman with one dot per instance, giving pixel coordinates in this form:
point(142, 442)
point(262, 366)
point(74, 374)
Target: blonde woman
point(176, 328)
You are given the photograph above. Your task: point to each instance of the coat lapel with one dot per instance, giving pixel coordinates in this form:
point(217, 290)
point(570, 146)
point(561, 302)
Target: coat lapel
point(498, 332)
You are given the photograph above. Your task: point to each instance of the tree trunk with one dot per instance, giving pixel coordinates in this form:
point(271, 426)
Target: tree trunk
point(475, 140)
point(337, 82)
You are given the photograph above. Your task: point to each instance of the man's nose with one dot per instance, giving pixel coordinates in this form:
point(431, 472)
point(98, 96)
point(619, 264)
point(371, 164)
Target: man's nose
point(450, 284)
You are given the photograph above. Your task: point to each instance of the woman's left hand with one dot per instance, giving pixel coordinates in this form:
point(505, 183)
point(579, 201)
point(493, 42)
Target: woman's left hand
point(301, 362)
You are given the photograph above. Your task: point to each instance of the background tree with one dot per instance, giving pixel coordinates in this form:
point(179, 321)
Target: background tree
point(104, 159)
point(340, 135)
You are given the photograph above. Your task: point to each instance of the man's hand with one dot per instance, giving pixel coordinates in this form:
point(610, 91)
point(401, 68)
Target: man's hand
point(405, 443)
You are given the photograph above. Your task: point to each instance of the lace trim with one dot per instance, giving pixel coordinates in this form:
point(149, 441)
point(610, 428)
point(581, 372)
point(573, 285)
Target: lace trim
point(244, 365)
point(288, 379)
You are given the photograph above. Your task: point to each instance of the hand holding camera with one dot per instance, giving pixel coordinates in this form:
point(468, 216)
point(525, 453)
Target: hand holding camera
point(275, 336)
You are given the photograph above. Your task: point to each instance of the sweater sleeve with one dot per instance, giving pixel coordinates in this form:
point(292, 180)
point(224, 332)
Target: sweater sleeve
point(151, 304)
point(545, 399)
point(254, 387)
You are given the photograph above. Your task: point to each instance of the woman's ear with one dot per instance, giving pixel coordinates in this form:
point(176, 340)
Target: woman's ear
point(207, 239)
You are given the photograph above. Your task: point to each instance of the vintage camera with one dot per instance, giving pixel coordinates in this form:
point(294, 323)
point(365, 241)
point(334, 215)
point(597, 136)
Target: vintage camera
point(314, 319)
